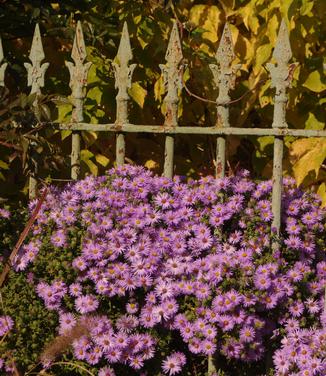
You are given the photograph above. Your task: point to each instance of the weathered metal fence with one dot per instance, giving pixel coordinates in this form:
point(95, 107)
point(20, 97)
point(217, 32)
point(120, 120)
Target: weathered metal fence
point(224, 73)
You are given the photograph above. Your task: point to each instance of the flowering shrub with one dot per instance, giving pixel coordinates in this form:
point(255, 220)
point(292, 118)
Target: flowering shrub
point(156, 275)
point(302, 352)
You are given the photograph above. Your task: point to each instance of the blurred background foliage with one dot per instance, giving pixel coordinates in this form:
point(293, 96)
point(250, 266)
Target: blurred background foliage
point(254, 25)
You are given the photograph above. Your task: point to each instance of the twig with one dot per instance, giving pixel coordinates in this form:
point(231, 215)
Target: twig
point(226, 103)
point(12, 146)
point(22, 237)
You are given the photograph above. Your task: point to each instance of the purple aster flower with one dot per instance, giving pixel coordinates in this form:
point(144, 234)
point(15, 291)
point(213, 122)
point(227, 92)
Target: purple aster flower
point(67, 322)
point(4, 213)
point(136, 361)
point(296, 309)
point(262, 281)
point(86, 303)
point(6, 324)
point(293, 242)
point(208, 347)
point(231, 349)
point(247, 334)
point(59, 238)
point(173, 363)
point(106, 371)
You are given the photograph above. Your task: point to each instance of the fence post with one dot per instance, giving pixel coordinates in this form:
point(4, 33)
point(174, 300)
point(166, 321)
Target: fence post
point(172, 76)
point(224, 79)
point(123, 75)
point(78, 81)
point(281, 79)
point(3, 66)
point(35, 79)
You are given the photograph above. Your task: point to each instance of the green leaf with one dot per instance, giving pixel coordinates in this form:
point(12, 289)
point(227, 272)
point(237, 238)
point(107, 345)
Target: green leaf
point(64, 111)
point(65, 133)
point(4, 165)
point(138, 93)
point(159, 89)
point(102, 160)
point(95, 93)
point(313, 123)
point(263, 54)
point(310, 154)
point(315, 82)
point(322, 193)
point(85, 155)
point(92, 167)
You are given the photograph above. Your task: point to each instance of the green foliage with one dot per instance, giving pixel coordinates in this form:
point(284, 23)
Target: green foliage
point(254, 26)
point(34, 325)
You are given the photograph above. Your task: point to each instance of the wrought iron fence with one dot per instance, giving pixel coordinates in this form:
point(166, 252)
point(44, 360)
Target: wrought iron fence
point(224, 74)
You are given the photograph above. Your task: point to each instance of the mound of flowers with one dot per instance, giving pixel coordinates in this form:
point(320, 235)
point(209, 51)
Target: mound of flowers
point(155, 275)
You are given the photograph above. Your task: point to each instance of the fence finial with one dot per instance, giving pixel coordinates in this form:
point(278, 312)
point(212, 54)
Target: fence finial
point(282, 51)
point(224, 75)
point(78, 81)
point(172, 76)
point(35, 79)
point(281, 74)
point(78, 73)
point(2, 66)
point(224, 78)
point(123, 75)
point(36, 70)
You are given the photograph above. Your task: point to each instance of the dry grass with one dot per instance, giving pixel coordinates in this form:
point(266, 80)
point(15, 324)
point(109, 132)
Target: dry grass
point(62, 343)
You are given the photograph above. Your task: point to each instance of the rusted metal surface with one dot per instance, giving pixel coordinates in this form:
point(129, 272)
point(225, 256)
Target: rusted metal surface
point(224, 78)
point(78, 81)
point(35, 79)
point(172, 77)
point(281, 75)
point(78, 74)
point(134, 128)
point(3, 66)
point(281, 80)
point(123, 76)
point(36, 70)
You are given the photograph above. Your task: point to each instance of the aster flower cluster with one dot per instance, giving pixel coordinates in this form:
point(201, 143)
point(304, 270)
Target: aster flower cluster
point(193, 258)
point(6, 324)
point(302, 353)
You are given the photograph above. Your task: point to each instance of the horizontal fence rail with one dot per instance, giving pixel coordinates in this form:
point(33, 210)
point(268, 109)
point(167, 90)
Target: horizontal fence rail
point(134, 128)
point(224, 74)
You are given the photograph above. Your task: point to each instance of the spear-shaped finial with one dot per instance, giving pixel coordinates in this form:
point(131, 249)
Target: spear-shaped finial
point(36, 70)
point(225, 52)
point(173, 54)
point(172, 76)
point(124, 54)
point(281, 74)
point(78, 81)
point(224, 78)
point(224, 75)
point(2, 66)
point(282, 52)
point(78, 52)
point(78, 73)
point(123, 75)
